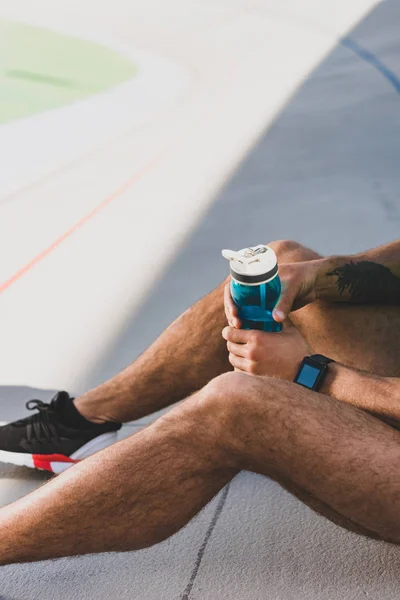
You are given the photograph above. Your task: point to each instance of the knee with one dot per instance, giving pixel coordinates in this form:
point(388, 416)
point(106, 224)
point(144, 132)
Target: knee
point(291, 251)
point(226, 394)
point(205, 419)
point(218, 420)
point(210, 420)
point(232, 406)
point(222, 398)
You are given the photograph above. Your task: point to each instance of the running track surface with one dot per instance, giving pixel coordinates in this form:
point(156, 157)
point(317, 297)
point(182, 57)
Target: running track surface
point(323, 171)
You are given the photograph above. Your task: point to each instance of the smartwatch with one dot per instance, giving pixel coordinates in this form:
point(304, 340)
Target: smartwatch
point(312, 371)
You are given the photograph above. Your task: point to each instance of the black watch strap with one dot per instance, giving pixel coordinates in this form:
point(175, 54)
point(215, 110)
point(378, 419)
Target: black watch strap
point(321, 359)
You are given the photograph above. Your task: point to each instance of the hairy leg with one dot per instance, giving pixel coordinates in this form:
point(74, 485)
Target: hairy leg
point(328, 450)
point(182, 360)
point(337, 459)
point(363, 337)
point(142, 490)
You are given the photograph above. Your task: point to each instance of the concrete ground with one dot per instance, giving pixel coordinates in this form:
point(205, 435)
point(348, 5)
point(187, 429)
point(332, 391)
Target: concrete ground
point(282, 123)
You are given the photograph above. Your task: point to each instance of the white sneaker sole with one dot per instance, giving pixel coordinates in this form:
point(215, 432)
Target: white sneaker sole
point(56, 463)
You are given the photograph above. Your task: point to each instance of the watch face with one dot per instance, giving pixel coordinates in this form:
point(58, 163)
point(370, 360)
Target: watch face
point(308, 376)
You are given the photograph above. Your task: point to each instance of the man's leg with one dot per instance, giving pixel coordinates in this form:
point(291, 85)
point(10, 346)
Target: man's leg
point(191, 351)
point(182, 360)
point(146, 487)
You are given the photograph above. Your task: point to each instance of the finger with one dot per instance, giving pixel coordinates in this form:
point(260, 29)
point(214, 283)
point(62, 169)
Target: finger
point(237, 336)
point(236, 323)
point(239, 363)
point(229, 303)
point(226, 305)
point(237, 349)
point(231, 310)
point(285, 302)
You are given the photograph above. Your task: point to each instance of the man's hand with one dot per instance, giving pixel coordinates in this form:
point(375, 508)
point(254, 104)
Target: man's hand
point(298, 289)
point(262, 353)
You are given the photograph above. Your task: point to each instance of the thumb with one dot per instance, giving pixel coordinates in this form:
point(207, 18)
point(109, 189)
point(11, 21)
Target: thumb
point(285, 303)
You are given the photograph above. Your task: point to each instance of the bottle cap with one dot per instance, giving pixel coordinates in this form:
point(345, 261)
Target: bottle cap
point(253, 265)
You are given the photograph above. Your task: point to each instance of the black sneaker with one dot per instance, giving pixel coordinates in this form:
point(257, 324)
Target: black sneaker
point(50, 440)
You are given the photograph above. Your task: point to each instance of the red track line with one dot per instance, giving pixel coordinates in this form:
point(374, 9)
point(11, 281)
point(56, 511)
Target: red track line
point(6, 284)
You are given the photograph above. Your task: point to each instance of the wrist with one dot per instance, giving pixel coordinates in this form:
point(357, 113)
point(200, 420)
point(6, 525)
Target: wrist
point(333, 380)
point(341, 381)
point(369, 392)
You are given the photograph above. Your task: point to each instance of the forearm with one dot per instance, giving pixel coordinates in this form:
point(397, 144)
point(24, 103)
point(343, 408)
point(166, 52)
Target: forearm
point(371, 277)
point(378, 395)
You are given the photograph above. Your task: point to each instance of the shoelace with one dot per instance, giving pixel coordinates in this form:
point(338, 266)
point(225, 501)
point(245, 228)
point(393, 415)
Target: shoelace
point(40, 426)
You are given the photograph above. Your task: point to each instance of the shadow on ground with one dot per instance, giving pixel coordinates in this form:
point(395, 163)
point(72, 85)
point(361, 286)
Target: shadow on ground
point(325, 173)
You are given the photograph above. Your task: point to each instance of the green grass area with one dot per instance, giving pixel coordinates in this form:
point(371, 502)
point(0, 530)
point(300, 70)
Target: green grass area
point(41, 70)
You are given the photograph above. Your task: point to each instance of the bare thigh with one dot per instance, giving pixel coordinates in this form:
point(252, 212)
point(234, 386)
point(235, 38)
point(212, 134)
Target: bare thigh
point(363, 337)
point(337, 459)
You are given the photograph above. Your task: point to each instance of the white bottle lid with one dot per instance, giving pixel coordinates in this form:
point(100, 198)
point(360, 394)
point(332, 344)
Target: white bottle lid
point(252, 266)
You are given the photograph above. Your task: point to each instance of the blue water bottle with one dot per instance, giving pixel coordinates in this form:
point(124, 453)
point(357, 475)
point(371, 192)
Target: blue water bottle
point(255, 286)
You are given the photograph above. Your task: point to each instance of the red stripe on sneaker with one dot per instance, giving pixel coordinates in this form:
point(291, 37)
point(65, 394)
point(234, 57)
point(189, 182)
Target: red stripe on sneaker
point(43, 461)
